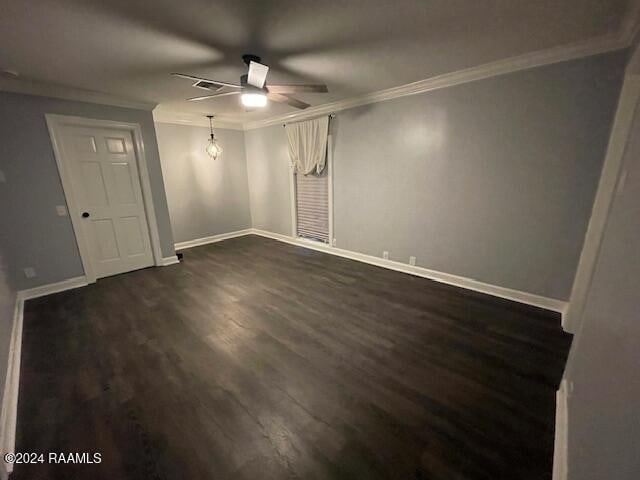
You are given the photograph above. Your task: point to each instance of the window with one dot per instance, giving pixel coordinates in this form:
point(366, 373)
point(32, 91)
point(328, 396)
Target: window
point(312, 205)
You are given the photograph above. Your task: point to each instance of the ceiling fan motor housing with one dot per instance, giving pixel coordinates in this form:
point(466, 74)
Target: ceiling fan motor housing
point(247, 58)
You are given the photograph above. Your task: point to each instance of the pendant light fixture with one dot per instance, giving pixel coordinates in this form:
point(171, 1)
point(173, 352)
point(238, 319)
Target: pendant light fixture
point(214, 150)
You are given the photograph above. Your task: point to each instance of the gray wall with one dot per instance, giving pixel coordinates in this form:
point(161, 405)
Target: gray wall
point(205, 197)
point(604, 362)
point(38, 237)
point(492, 180)
point(268, 166)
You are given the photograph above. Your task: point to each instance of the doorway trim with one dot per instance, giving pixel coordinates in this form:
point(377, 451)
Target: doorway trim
point(54, 124)
point(611, 176)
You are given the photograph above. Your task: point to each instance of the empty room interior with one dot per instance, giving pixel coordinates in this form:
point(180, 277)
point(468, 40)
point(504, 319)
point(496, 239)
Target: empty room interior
point(281, 239)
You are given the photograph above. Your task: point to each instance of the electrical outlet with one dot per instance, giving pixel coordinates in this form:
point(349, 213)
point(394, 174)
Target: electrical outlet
point(385, 255)
point(335, 242)
point(412, 260)
point(61, 210)
point(3, 178)
point(29, 272)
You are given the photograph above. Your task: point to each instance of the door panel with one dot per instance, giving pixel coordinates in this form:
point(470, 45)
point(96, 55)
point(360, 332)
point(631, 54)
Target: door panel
point(103, 168)
point(124, 193)
point(105, 237)
point(115, 145)
point(93, 186)
point(132, 233)
point(85, 144)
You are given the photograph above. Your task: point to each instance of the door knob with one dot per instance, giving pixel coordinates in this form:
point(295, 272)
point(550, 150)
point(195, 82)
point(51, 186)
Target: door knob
point(85, 214)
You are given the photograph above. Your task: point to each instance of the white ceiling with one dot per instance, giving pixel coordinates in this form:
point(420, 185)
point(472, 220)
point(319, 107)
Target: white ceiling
point(127, 48)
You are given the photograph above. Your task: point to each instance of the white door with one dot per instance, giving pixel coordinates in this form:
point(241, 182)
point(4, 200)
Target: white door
point(103, 170)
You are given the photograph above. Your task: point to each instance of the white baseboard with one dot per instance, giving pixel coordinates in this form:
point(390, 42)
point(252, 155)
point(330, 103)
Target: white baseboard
point(565, 323)
point(50, 288)
point(9, 415)
point(455, 280)
point(212, 239)
point(561, 442)
point(172, 260)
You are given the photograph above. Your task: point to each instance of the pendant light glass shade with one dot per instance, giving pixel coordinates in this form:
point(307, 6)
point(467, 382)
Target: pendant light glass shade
point(214, 150)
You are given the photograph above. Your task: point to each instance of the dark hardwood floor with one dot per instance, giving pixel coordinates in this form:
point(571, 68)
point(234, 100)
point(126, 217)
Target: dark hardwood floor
point(255, 359)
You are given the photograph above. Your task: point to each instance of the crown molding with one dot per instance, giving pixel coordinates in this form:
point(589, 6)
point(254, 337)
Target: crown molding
point(28, 87)
point(194, 120)
point(594, 46)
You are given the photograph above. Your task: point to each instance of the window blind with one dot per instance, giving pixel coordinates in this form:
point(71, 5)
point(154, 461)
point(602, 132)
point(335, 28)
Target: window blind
point(312, 206)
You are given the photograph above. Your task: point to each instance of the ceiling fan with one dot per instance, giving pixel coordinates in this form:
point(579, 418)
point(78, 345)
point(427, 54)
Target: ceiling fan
point(252, 88)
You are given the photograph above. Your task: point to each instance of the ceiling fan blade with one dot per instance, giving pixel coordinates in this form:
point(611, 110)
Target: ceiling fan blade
point(257, 74)
point(294, 102)
point(297, 88)
point(214, 95)
point(200, 79)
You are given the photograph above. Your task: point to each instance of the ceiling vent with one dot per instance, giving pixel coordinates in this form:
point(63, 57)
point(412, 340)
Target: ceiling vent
point(206, 85)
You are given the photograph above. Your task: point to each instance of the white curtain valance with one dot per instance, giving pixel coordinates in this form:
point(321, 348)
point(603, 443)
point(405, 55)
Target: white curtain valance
point(308, 144)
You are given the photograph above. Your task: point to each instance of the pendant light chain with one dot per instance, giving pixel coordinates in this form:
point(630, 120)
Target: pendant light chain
point(214, 150)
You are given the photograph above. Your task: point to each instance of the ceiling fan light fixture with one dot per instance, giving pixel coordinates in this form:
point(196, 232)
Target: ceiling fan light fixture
point(253, 90)
point(254, 99)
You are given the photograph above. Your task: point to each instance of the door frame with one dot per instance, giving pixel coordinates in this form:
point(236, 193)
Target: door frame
point(55, 123)
point(611, 176)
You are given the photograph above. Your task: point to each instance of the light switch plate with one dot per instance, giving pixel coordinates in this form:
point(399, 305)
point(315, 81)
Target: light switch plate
point(29, 272)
